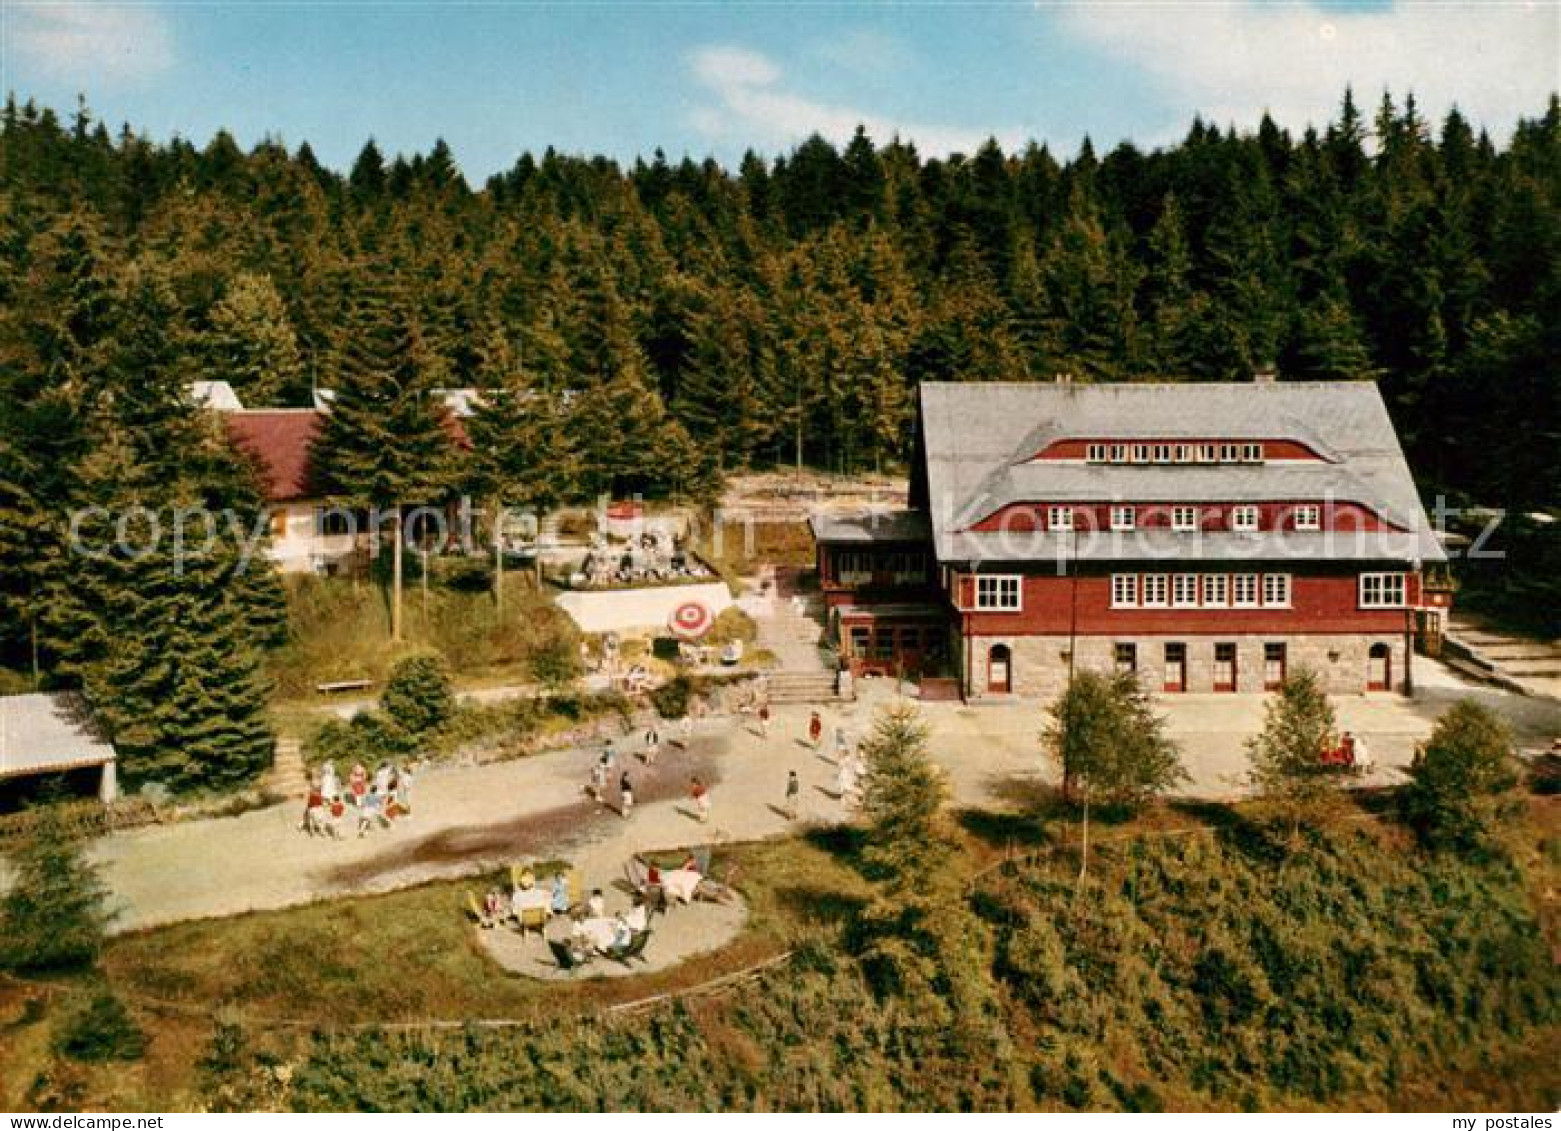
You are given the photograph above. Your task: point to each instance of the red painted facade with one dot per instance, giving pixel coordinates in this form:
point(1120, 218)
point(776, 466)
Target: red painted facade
point(1055, 606)
point(1026, 518)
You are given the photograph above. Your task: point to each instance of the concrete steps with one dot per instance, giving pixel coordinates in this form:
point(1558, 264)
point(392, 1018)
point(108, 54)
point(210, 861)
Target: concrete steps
point(802, 687)
point(288, 777)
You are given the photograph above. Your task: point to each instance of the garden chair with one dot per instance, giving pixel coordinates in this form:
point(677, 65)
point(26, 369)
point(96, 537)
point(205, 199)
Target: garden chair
point(475, 911)
point(532, 918)
point(567, 959)
point(634, 948)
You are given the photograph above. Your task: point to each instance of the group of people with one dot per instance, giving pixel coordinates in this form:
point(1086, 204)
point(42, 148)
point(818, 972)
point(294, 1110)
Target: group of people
point(375, 799)
point(591, 929)
point(606, 767)
point(526, 895)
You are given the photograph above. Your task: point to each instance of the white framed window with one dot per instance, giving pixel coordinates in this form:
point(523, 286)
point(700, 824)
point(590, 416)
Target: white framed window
point(1244, 590)
point(1308, 516)
point(1251, 453)
point(1140, 453)
point(1243, 519)
point(1184, 590)
point(1124, 590)
point(1229, 453)
point(1184, 453)
point(1059, 518)
point(997, 593)
point(1184, 518)
point(1276, 590)
point(1383, 590)
point(1155, 589)
point(1118, 453)
point(1216, 589)
point(1208, 453)
point(1162, 453)
point(1124, 518)
point(1095, 453)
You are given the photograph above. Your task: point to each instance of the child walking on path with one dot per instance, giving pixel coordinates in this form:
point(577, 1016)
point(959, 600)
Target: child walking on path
point(701, 796)
point(625, 796)
point(793, 788)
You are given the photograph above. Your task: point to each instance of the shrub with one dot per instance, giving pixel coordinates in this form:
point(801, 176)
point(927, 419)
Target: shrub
point(671, 698)
point(367, 737)
point(554, 661)
point(1465, 765)
point(53, 916)
point(102, 1030)
point(462, 574)
point(418, 695)
point(732, 624)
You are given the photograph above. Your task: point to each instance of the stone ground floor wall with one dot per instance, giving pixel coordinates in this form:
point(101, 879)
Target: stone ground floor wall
point(1038, 665)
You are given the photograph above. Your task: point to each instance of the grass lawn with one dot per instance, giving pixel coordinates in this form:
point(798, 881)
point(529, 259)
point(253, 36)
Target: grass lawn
point(340, 630)
point(411, 957)
point(407, 956)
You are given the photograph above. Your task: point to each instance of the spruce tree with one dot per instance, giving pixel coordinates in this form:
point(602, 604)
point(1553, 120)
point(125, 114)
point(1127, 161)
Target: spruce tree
point(1109, 742)
point(386, 443)
point(1287, 769)
point(53, 916)
point(251, 344)
point(523, 455)
point(158, 638)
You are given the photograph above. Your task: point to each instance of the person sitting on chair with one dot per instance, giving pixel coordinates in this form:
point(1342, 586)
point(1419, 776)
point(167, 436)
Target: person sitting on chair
point(596, 905)
point(636, 917)
point(559, 903)
point(622, 934)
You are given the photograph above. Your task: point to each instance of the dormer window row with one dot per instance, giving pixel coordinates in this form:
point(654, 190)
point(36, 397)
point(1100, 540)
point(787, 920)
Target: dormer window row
point(1152, 452)
point(1240, 518)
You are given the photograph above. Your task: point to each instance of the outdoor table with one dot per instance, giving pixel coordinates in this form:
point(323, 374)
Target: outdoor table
point(680, 883)
point(600, 931)
point(527, 899)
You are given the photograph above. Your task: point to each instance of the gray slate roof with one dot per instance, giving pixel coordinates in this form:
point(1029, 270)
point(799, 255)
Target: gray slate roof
point(980, 439)
point(44, 732)
point(870, 526)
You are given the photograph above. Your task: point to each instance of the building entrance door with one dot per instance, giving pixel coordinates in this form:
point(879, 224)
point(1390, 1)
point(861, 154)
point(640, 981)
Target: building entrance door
point(1176, 667)
point(1224, 667)
point(1379, 668)
point(1273, 666)
point(999, 670)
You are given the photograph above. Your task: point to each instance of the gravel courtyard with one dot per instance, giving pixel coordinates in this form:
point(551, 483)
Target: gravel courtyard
point(468, 818)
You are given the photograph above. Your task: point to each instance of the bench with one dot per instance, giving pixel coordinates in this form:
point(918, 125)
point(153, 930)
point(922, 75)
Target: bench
point(340, 685)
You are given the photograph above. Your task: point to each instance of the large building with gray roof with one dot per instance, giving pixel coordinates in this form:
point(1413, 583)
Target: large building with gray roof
point(1207, 537)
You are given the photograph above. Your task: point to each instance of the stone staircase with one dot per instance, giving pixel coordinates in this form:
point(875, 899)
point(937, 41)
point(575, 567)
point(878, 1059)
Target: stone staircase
point(1530, 666)
point(792, 629)
point(802, 687)
point(288, 777)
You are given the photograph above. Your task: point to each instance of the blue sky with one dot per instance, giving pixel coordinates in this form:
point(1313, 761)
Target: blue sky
point(498, 78)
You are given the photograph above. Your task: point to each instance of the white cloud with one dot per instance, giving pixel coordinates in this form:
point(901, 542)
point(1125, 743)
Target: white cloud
point(753, 106)
point(1231, 60)
point(83, 41)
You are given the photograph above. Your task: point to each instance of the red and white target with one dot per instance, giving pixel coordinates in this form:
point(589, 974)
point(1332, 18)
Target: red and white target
point(691, 619)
